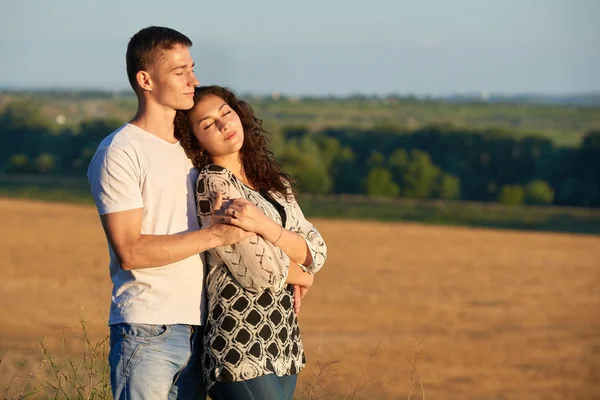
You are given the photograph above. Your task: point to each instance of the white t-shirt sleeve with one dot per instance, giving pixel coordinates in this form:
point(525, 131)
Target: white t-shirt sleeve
point(115, 181)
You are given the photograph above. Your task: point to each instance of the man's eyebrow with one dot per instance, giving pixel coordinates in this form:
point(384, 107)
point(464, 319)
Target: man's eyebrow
point(182, 66)
point(208, 116)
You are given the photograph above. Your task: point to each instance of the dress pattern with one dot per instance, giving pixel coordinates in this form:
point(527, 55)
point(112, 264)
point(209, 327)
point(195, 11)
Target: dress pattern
point(251, 329)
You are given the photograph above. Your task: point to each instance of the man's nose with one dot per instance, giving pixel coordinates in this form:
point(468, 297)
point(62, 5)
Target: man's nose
point(194, 81)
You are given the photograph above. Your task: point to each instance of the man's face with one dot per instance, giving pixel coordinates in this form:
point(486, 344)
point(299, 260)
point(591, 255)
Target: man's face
point(173, 79)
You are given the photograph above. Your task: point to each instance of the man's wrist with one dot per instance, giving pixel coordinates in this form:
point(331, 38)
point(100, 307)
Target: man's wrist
point(214, 239)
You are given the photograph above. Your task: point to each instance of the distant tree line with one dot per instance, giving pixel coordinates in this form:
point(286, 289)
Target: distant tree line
point(436, 162)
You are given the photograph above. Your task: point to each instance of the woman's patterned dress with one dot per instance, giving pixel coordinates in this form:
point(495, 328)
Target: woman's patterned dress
point(251, 329)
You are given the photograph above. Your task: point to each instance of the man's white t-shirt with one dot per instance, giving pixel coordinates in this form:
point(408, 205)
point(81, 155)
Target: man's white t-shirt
point(134, 169)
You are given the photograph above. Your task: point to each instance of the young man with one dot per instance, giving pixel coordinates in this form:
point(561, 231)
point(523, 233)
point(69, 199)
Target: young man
point(143, 185)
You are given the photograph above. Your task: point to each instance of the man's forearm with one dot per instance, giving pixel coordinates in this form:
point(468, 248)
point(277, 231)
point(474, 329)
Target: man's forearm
point(150, 251)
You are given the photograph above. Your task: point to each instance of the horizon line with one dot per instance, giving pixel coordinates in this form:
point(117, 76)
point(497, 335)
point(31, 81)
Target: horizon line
point(482, 94)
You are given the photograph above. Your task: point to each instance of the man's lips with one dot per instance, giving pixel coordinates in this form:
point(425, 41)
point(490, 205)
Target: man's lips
point(230, 135)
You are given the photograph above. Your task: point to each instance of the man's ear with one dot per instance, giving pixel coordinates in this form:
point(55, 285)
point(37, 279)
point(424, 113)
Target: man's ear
point(144, 80)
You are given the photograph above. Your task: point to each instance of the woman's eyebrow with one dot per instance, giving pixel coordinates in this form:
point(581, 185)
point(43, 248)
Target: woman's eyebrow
point(209, 116)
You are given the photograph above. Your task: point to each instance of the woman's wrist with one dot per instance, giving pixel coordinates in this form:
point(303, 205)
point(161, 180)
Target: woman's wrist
point(273, 232)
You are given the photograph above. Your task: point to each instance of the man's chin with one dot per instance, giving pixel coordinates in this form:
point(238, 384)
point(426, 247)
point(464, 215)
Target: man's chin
point(185, 105)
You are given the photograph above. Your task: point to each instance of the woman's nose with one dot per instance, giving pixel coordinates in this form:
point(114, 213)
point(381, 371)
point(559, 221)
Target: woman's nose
point(224, 125)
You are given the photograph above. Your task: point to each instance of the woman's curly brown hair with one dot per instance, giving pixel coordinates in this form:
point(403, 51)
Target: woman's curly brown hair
point(258, 160)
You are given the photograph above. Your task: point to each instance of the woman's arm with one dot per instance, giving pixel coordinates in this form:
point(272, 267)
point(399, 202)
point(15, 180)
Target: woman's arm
point(312, 237)
point(244, 214)
point(255, 263)
point(297, 276)
point(303, 244)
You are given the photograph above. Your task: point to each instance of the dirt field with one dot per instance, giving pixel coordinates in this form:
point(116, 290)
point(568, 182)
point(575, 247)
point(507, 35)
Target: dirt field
point(500, 314)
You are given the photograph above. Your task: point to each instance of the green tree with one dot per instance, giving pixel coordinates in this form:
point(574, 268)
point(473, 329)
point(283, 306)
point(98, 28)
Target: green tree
point(539, 192)
point(302, 160)
point(295, 131)
point(398, 163)
point(23, 130)
point(45, 163)
point(589, 166)
point(420, 176)
point(376, 160)
point(18, 163)
point(511, 194)
point(380, 182)
point(399, 160)
point(314, 179)
point(341, 165)
point(448, 187)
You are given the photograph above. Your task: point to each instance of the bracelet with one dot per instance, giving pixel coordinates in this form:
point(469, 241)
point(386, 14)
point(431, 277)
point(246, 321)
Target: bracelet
point(280, 233)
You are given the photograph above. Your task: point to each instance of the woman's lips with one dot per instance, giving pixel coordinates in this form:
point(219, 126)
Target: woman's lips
point(230, 135)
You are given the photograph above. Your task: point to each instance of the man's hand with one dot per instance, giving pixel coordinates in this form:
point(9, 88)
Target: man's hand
point(229, 234)
point(217, 214)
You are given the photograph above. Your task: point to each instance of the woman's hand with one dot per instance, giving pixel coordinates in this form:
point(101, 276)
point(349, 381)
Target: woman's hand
point(242, 213)
point(299, 293)
point(302, 282)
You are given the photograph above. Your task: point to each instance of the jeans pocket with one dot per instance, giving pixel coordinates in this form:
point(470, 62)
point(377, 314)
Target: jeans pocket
point(131, 341)
point(145, 333)
point(131, 354)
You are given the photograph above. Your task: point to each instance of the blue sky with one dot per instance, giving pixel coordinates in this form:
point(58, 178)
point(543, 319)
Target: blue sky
point(316, 47)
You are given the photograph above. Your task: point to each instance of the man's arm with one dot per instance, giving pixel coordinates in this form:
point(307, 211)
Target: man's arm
point(114, 179)
point(135, 250)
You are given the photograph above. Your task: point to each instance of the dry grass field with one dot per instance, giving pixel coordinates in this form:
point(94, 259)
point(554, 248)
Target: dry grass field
point(498, 314)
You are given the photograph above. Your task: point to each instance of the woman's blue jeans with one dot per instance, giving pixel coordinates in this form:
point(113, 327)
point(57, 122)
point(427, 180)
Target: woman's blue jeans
point(266, 387)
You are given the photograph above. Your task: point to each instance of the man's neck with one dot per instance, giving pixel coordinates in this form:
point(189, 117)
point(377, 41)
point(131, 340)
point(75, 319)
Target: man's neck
point(157, 120)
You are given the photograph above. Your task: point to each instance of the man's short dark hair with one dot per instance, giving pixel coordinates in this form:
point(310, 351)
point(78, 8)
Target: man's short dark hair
point(145, 46)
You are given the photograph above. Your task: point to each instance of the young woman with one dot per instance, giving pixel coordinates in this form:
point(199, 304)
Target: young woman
point(252, 346)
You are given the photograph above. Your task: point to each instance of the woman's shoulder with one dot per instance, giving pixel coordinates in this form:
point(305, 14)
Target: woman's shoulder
point(214, 178)
point(214, 172)
point(214, 169)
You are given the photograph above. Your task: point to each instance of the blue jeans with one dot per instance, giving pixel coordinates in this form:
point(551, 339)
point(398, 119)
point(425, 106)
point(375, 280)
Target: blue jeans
point(156, 362)
point(265, 387)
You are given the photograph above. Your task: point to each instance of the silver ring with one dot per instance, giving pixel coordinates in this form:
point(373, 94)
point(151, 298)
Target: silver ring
point(234, 213)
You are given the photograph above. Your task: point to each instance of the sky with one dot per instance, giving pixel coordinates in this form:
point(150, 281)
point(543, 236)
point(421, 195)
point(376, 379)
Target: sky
point(315, 47)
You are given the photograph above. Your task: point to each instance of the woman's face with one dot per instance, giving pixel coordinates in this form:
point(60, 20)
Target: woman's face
point(216, 126)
